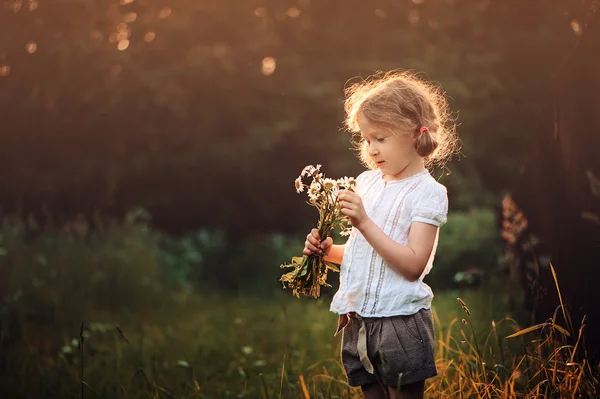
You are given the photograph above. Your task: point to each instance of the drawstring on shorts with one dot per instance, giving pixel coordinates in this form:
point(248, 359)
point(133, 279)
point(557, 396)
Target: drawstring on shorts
point(361, 345)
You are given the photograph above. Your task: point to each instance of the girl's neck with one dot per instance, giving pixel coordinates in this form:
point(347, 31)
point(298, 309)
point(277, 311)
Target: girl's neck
point(411, 169)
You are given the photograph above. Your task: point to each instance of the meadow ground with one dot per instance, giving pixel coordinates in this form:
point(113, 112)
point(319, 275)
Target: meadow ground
point(223, 347)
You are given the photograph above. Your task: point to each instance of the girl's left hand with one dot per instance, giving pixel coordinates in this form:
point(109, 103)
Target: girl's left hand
point(352, 206)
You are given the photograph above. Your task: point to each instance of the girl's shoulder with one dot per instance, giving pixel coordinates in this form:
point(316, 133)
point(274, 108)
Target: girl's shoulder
point(430, 184)
point(429, 192)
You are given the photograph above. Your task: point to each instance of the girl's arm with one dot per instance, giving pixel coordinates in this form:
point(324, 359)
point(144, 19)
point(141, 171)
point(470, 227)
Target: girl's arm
point(408, 260)
point(336, 254)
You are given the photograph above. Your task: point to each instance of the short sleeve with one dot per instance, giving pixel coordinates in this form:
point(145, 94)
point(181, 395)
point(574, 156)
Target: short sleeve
point(431, 205)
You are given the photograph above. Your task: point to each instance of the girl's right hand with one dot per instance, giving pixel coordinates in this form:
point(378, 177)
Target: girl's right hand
point(313, 244)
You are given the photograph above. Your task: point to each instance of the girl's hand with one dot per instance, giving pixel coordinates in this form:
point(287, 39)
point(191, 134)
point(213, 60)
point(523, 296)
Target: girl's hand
point(313, 244)
point(352, 206)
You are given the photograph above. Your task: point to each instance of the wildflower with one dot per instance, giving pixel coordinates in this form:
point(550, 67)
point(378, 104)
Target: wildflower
point(310, 272)
point(346, 232)
point(347, 183)
point(329, 184)
point(313, 191)
point(299, 185)
point(307, 171)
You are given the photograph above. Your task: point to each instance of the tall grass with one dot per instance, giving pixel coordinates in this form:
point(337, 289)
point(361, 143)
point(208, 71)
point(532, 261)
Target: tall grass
point(89, 314)
point(215, 347)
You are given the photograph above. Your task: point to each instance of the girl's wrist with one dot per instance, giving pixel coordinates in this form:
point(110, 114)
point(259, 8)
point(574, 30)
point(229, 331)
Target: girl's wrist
point(365, 225)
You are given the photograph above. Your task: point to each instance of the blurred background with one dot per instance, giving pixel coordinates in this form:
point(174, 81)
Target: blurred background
point(148, 150)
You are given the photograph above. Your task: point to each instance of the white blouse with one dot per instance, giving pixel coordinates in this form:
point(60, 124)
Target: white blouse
point(368, 286)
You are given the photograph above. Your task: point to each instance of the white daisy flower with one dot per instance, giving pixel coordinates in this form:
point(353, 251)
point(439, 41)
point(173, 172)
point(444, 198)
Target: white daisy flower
point(308, 170)
point(313, 191)
point(299, 185)
point(347, 182)
point(329, 184)
point(315, 171)
point(343, 181)
point(346, 232)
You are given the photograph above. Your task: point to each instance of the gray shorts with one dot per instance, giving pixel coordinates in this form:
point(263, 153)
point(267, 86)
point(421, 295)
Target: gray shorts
point(399, 348)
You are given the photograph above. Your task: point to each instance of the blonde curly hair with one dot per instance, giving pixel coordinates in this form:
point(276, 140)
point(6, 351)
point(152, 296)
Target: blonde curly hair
point(403, 103)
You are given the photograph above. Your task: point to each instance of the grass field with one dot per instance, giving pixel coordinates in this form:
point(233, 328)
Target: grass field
point(224, 347)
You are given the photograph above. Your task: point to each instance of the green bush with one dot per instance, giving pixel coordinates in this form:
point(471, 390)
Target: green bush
point(468, 240)
point(58, 275)
point(208, 259)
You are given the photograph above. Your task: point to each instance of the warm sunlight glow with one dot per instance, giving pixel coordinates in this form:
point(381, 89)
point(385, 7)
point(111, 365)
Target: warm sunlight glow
point(380, 13)
point(33, 5)
point(31, 47)
point(125, 2)
point(260, 12)
point(4, 70)
point(268, 65)
point(129, 17)
point(165, 12)
point(293, 12)
point(123, 45)
point(576, 26)
point(414, 16)
point(123, 27)
point(149, 37)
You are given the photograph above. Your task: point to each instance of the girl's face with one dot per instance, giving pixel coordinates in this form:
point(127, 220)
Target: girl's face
point(393, 152)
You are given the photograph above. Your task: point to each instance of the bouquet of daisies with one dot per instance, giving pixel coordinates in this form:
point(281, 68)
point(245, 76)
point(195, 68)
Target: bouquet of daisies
point(310, 272)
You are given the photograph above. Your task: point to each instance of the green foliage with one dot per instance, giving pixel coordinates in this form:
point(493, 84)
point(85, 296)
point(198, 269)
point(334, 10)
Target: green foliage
point(60, 275)
point(248, 265)
point(215, 346)
point(193, 102)
point(184, 259)
point(210, 259)
point(468, 240)
point(125, 264)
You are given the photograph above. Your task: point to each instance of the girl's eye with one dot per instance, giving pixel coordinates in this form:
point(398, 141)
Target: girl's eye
point(381, 139)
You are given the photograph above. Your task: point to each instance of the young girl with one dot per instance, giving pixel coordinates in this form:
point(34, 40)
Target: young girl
point(395, 212)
